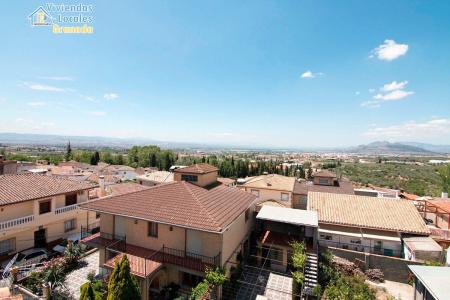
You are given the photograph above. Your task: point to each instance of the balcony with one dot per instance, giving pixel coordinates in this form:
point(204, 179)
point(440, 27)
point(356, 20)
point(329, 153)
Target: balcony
point(64, 209)
point(145, 262)
point(16, 222)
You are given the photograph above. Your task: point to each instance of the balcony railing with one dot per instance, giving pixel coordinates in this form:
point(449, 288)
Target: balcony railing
point(16, 222)
point(145, 259)
point(64, 209)
point(361, 248)
point(440, 234)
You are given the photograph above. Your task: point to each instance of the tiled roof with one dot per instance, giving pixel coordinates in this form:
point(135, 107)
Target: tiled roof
point(271, 182)
point(202, 168)
point(158, 176)
point(302, 188)
point(23, 187)
point(367, 212)
point(119, 189)
point(325, 173)
point(180, 204)
point(442, 203)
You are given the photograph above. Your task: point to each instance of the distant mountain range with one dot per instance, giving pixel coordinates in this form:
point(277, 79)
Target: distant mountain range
point(384, 147)
point(375, 148)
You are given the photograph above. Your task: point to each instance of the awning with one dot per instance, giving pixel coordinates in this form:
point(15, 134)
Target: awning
point(288, 216)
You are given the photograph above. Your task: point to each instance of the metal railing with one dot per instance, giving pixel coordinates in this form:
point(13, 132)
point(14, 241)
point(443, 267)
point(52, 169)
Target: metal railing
point(90, 229)
point(65, 209)
point(361, 248)
point(170, 254)
point(441, 234)
point(16, 222)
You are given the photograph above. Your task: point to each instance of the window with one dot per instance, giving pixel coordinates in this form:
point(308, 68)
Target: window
point(284, 197)
point(153, 229)
point(247, 214)
point(355, 241)
point(45, 207)
point(69, 225)
point(71, 199)
point(323, 181)
point(255, 192)
point(190, 280)
point(7, 246)
point(190, 178)
point(97, 215)
point(326, 237)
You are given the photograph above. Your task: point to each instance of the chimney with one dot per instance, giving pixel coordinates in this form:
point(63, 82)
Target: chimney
point(101, 182)
point(444, 195)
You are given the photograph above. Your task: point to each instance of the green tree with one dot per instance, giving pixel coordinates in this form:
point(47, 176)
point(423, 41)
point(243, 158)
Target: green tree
point(153, 160)
point(68, 152)
point(309, 174)
point(95, 158)
point(444, 173)
point(87, 292)
point(122, 285)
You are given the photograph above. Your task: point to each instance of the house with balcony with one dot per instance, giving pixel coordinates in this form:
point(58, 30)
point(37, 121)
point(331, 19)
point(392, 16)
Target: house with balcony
point(173, 231)
point(323, 181)
point(39, 211)
point(366, 224)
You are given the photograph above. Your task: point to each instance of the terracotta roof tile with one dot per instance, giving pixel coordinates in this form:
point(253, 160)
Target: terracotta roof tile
point(23, 187)
point(181, 204)
point(271, 182)
point(202, 168)
point(367, 212)
point(302, 188)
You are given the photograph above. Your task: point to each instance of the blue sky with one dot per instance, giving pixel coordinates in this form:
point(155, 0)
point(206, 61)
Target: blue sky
point(261, 73)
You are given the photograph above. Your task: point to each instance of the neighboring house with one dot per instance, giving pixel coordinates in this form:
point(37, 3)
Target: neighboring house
point(274, 188)
point(368, 224)
point(7, 166)
point(438, 211)
point(276, 228)
point(422, 248)
point(37, 210)
point(116, 189)
point(323, 181)
point(199, 174)
point(154, 178)
point(378, 192)
point(172, 231)
point(431, 283)
point(125, 173)
point(227, 181)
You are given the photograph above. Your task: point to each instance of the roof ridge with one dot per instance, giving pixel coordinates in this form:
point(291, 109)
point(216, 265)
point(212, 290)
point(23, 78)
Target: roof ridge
point(186, 185)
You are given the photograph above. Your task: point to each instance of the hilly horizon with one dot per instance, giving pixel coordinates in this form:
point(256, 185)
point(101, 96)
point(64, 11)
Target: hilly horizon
point(373, 148)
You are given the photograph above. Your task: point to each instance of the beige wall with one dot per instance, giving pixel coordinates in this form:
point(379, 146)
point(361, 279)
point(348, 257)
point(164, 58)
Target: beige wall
point(203, 179)
point(52, 222)
point(269, 194)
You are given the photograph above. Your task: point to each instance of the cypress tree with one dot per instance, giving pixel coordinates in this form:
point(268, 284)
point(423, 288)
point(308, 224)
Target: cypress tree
point(122, 285)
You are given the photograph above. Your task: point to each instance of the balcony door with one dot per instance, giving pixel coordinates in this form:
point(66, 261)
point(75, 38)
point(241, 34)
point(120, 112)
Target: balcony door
point(119, 226)
point(194, 242)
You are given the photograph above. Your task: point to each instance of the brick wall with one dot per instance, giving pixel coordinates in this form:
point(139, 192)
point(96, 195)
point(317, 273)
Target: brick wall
point(395, 269)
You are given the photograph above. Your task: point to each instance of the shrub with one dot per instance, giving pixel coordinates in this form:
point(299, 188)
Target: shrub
point(215, 277)
point(199, 291)
point(375, 275)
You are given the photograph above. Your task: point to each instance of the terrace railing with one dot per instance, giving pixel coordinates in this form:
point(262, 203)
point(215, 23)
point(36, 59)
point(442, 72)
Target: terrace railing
point(16, 222)
point(65, 209)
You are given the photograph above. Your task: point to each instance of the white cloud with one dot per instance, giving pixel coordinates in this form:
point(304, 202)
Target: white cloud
point(394, 85)
point(43, 87)
point(370, 104)
point(392, 96)
point(416, 130)
point(97, 113)
point(390, 50)
point(57, 78)
point(22, 125)
point(37, 103)
point(309, 74)
point(110, 96)
point(389, 92)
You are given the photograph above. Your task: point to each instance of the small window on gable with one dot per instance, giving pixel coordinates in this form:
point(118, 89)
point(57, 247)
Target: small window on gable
point(152, 229)
point(284, 197)
point(189, 178)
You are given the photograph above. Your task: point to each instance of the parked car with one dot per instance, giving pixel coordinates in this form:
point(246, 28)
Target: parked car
point(27, 257)
point(61, 247)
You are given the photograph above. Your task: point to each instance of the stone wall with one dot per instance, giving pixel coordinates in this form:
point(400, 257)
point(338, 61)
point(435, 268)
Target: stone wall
point(395, 269)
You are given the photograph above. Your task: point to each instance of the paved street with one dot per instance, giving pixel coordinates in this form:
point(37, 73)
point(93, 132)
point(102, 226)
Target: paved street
point(75, 279)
